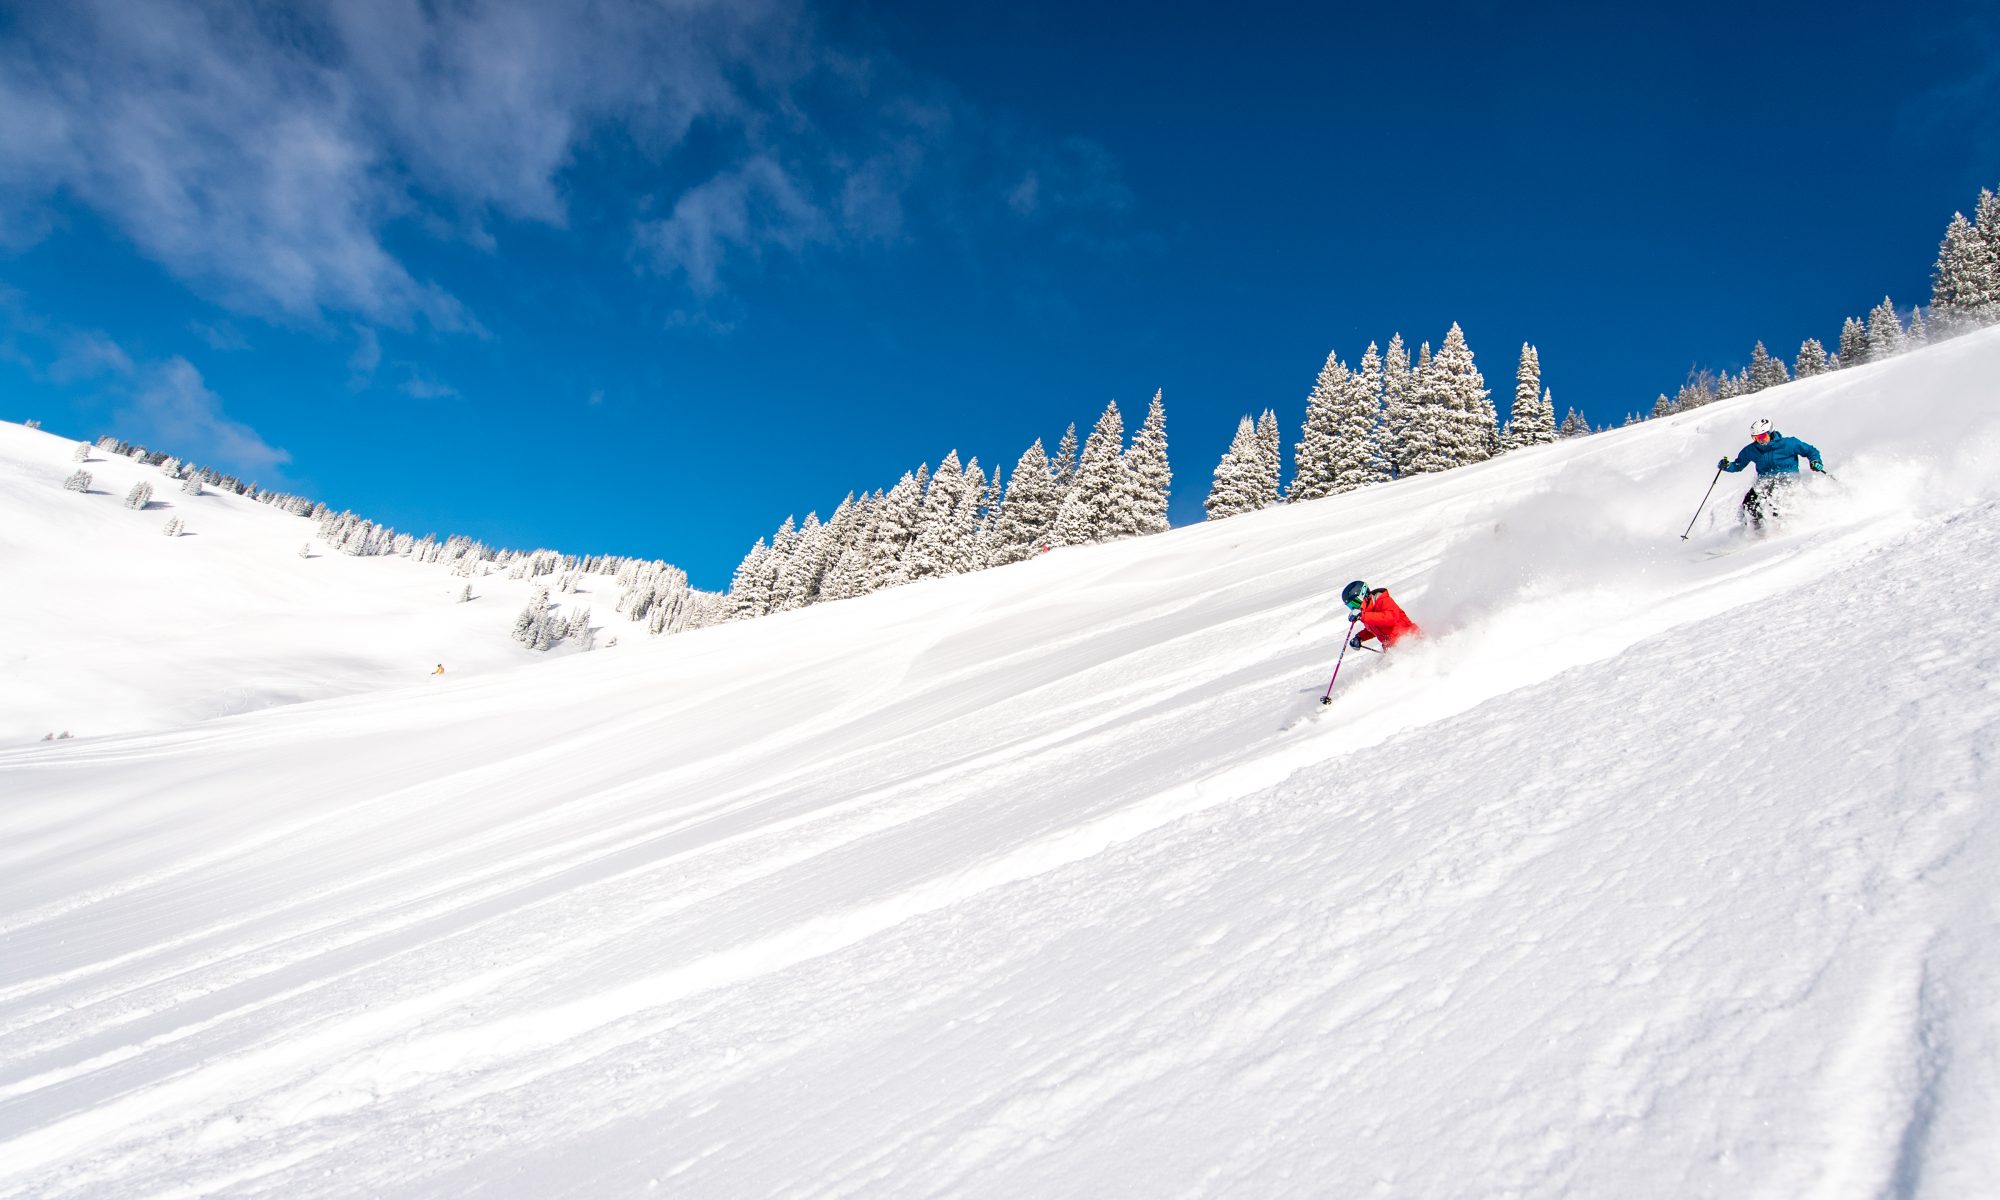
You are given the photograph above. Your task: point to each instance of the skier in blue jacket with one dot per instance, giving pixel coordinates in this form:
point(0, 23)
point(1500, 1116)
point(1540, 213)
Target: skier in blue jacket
point(1776, 458)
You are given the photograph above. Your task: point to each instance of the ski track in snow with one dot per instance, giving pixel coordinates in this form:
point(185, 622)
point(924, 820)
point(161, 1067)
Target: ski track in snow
point(1647, 873)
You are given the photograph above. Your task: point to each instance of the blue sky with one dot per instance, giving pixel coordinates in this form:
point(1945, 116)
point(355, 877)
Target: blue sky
point(645, 278)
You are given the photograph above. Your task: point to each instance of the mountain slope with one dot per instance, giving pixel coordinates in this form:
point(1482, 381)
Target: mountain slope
point(122, 628)
point(1652, 871)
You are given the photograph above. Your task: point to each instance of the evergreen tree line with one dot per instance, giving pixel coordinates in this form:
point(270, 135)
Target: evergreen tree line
point(1387, 418)
point(958, 519)
point(1965, 295)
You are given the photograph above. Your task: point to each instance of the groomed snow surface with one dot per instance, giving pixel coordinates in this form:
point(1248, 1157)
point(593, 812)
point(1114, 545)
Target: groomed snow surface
point(1657, 869)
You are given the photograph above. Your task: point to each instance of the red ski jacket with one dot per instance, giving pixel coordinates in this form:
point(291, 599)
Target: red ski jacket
point(1382, 618)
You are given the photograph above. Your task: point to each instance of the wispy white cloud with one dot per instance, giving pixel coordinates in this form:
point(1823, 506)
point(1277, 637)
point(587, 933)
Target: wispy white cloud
point(756, 207)
point(366, 357)
point(272, 155)
point(422, 387)
point(173, 409)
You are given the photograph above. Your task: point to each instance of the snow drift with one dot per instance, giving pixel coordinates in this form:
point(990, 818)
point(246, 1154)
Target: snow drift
point(1658, 868)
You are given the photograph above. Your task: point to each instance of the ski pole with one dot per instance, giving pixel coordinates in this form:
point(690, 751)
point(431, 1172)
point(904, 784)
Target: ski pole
point(1704, 503)
point(1328, 698)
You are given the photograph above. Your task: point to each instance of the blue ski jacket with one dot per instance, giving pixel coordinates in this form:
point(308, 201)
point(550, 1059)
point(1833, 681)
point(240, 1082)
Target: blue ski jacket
point(1779, 456)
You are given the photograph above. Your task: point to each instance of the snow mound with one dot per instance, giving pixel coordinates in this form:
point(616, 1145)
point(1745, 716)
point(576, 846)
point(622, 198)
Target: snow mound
point(1657, 868)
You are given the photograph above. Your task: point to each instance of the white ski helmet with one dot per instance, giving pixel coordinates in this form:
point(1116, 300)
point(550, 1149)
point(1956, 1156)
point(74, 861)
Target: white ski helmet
point(1760, 427)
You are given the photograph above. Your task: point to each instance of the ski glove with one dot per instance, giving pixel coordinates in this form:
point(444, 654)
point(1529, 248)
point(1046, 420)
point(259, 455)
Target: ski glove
point(1819, 466)
point(1722, 464)
point(1355, 641)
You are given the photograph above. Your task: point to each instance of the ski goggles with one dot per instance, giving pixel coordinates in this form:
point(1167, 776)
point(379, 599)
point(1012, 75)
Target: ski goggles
point(1355, 605)
point(1760, 438)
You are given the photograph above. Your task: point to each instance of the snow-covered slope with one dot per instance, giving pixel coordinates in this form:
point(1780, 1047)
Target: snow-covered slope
point(1652, 871)
point(113, 626)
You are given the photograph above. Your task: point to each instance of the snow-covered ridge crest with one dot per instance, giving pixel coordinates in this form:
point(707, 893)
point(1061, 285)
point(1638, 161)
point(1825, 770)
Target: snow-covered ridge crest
point(1657, 868)
point(244, 605)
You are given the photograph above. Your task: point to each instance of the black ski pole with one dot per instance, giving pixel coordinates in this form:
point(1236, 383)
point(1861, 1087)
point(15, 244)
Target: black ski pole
point(1704, 503)
point(1344, 643)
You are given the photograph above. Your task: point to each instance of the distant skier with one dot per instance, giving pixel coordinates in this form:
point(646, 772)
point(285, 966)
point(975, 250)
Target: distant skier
point(440, 670)
point(1380, 617)
point(1776, 458)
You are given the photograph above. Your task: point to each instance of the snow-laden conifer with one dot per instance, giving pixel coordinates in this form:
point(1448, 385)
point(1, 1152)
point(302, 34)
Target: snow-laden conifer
point(1811, 360)
point(1313, 454)
point(1473, 426)
point(1430, 426)
point(1147, 471)
point(1063, 466)
point(894, 528)
point(78, 482)
point(1885, 332)
point(1918, 334)
point(174, 527)
point(1357, 421)
point(1965, 284)
point(967, 551)
point(931, 552)
point(140, 496)
point(1766, 371)
point(797, 581)
point(1029, 510)
point(1535, 421)
point(1269, 468)
point(1234, 488)
point(1574, 425)
point(82, 453)
point(1399, 421)
point(1853, 343)
point(749, 586)
point(1104, 500)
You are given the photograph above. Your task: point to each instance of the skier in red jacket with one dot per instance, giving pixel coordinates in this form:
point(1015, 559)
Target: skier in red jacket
point(1381, 618)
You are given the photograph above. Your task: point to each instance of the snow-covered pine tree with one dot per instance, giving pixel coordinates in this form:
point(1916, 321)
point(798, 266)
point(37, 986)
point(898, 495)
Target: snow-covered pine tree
point(1234, 489)
point(78, 482)
point(1885, 331)
point(1537, 426)
point(466, 595)
point(1147, 470)
point(174, 527)
point(1029, 511)
point(797, 581)
point(930, 551)
point(1766, 371)
point(1811, 360)
point(1475, 426)
point(749, 587)
point(1428, 429)
point(1574, 425)
point(1268, 464)
point(170, 467)
point(1918, 334)
point(1104, 498)
point(985, 536)
point(82, 453)
point(1357, 421)
point(1312, 456)
point(1397, 436)
point(1853, 343)
point(968, 549)
point(1527, 390)
point(1960, 289)
point(1063, 467)
point(140, 496)
point(1662, 407)
point(894, 527)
